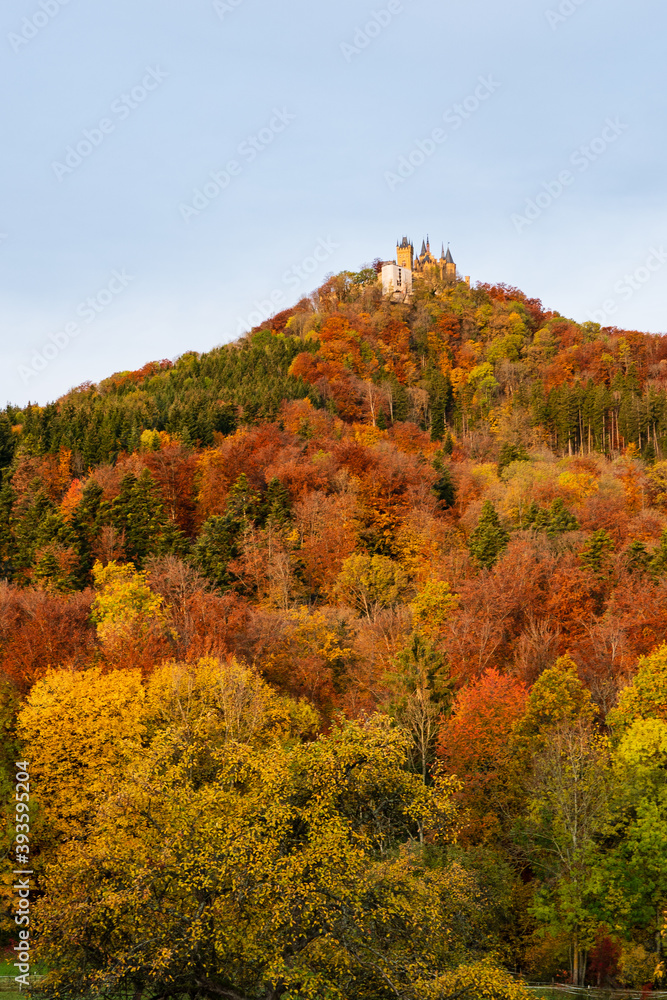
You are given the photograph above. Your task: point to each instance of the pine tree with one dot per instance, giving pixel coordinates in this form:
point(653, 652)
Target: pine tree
point(276, 503)
point(7, 442)
point(637, 559)
point(658, 563)
point(531, 515)
point(138, 513)
point(243, 503)
point(214, 550)
point(444, 487)
point(489, 537)
point(85, 524)
point(510, 453)
point(8, 552)
point(422, 691)
point(595, 553)
point(560, 519)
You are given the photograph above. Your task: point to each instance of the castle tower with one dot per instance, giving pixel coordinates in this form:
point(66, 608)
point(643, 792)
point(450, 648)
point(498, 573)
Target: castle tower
point(405, 254)
point(450, 266)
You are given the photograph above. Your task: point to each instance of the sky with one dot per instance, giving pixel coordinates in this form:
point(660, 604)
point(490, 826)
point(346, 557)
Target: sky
point(174, 171)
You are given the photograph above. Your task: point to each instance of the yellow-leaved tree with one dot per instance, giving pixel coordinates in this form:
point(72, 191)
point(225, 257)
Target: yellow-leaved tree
point(131, 620)
point(241, 858)
point(80, 732)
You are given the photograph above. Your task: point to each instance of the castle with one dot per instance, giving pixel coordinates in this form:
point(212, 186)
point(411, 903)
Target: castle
point(397, 275)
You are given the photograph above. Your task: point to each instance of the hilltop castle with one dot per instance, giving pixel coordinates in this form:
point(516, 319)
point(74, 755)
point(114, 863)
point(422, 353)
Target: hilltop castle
point(397, 275)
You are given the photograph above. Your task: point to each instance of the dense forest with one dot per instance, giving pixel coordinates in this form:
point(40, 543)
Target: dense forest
point(338, 656)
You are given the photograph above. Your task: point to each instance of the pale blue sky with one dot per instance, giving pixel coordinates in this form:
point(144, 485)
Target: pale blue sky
point(332, 112)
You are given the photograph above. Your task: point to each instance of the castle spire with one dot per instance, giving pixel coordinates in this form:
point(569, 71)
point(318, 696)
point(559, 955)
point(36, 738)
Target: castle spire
point(423, 250)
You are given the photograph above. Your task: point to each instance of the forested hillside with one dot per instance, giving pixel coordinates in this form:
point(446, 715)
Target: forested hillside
point(398, 569)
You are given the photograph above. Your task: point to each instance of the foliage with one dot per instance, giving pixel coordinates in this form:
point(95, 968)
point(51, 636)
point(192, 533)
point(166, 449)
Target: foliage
point(489, 537)
point(421, 694)
point(432, 608)
point(646, 696)
point(276, 874)
point(370, 583)
point(451, 511)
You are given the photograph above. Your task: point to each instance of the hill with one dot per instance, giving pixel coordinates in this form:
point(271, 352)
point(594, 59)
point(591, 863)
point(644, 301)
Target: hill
point(451, 511)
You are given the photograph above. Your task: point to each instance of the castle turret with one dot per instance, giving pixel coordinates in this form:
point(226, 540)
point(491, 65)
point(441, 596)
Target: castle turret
point(450, 266)
point(405, 254)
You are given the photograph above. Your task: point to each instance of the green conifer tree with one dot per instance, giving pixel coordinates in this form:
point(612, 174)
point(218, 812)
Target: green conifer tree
point(637, 559)
point(138, 513)
point(85, 524)
point(214, 550)
point(8, 553)
point(444, 487)
point(658, 563)
point(277, 504)
point(595, 553)
point(489, 537)
point(560, 519)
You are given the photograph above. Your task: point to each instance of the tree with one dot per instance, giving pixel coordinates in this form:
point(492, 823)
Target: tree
point(275, 873)
point(476, 745)
point(510, 453)
point(131, 620)
point(370, 583)
point(80, 732)
point(567, 809)
point(421, 694)
point(563, 762)
point(432, 608)
point(646, 696)
point(558, 697)
point(658, 563)
point(637, 559)
point(215, 548)
point(138, 514)
point(595, 553)
point(489, 537)
point(560, 519)
point(41, 630)
point(631, 864)
point(444, 487)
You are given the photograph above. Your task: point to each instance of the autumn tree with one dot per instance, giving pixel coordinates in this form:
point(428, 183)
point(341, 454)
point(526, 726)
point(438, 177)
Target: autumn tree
point(80, 732)
point(369, 583)
point(476, 744)
point(280, 871)
point(130, 619)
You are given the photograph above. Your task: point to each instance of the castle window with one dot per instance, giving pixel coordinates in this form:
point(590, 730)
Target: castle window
point(399, 276)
